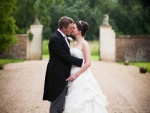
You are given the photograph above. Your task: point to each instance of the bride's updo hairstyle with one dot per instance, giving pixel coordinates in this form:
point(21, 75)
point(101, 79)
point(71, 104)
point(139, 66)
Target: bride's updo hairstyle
point(82, 26)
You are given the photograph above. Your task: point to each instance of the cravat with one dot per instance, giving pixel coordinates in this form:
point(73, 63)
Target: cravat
point(66, 40)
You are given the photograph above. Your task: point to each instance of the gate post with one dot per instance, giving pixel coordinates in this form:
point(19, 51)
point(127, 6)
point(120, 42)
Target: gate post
point(107, 41)
point(34, 45)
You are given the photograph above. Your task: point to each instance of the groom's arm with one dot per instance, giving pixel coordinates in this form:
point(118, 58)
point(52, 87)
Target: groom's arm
point(60, 50)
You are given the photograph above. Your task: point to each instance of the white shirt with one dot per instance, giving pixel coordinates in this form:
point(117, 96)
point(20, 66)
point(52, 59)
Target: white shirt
point(64, 36)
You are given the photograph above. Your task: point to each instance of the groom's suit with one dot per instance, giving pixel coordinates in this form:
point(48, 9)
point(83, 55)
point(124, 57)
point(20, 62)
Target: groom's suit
point(58, 67)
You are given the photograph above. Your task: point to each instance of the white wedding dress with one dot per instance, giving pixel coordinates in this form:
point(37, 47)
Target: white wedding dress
point(84, 94)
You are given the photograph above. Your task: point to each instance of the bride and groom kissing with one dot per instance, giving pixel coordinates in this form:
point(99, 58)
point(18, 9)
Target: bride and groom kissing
point(69, 83)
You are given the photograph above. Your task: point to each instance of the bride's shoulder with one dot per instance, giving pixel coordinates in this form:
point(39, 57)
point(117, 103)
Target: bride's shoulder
point(85, 43)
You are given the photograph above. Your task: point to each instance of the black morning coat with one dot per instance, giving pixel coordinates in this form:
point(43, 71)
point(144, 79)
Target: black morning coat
point(58, 67)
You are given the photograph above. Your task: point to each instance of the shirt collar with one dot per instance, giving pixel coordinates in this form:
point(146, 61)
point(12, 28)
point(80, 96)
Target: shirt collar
point(61, 33)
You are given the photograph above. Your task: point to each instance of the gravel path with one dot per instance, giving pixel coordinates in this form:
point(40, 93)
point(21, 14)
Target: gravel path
point(21, 87)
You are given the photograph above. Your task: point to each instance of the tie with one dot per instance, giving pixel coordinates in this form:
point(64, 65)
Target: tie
point(66, 41)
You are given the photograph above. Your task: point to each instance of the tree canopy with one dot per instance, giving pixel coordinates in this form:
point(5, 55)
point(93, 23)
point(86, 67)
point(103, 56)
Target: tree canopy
point(127, 17)
point(7, 24)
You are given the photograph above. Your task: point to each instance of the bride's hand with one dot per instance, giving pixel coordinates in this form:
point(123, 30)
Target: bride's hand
point(72, 77)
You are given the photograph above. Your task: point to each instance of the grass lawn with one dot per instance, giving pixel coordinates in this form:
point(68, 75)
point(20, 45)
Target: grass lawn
point(142, 64)
point(94, 46)
point(45, 56)
point(94, 57)
point(139, 64)
point(6, 61)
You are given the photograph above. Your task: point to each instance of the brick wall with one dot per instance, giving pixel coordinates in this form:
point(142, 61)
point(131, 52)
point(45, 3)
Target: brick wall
point(18, 50)
point(133, 48)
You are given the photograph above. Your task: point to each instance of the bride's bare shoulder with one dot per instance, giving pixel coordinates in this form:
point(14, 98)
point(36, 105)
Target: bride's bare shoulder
point(85, 43)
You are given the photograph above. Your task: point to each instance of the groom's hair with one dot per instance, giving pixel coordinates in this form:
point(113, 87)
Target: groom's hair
point(64, 22)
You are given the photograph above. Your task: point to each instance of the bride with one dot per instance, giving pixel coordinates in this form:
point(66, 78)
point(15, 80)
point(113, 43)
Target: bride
point(84, 94)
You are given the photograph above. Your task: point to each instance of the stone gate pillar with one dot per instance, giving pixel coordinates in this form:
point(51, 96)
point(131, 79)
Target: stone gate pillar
point(107, 41)
point(34, 45)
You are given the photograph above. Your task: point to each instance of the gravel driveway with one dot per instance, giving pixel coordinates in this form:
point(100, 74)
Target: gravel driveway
point(21, 87)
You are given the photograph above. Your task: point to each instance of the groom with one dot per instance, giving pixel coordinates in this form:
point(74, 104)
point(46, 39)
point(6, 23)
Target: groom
point(59, 65)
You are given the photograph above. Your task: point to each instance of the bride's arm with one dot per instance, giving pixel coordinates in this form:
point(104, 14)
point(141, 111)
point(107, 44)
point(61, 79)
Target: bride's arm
point(87, 58)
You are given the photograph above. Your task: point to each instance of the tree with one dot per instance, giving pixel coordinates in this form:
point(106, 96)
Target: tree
point(7, 24)
point(24, 15)
point(146, 6)
point(28, 10)
point(130, 17)
point(125, 17)
point(78, 10)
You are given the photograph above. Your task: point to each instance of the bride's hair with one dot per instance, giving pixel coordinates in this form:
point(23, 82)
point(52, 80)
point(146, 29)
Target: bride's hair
point(82, 26)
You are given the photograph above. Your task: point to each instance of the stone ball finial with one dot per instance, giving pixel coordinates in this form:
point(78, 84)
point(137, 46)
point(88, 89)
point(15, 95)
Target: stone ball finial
point(143, 69)
point(105, 20)
point(1, 67)
point(126, 62)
